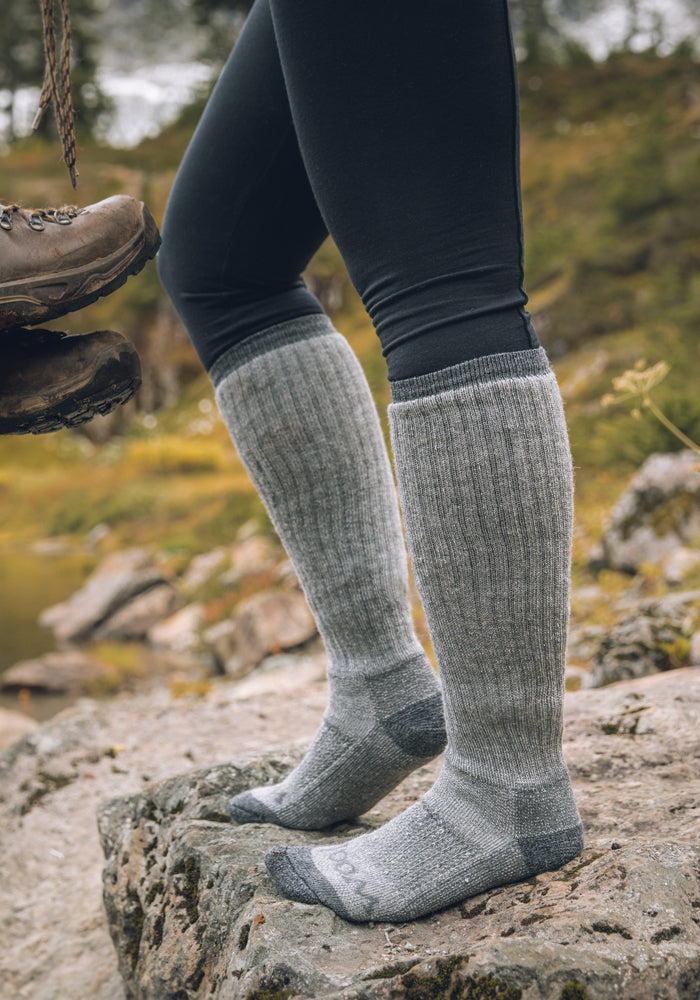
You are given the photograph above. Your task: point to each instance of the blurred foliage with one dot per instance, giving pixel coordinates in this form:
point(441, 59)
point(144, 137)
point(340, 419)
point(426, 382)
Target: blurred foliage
point(206, 9)
point(611, 160)
point(137, 33)
point(22, 63)
point(170, 453)
point(543, 28)
point(642, 185)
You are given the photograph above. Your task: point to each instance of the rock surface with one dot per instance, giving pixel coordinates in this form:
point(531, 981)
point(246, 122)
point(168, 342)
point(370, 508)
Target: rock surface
point(264, 623)
point(133, 619)
point(68, 671)
point(193, 914)
point(657, 519)
point(651, 636)
point(181, 631)
point(229, 565)
point(694, 653)
point(129, 599)
point(205, 567)
point(55, 942)
point(119, 578)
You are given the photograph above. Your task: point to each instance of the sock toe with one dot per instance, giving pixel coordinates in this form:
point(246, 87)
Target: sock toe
point(245, 808)
point(287, 867)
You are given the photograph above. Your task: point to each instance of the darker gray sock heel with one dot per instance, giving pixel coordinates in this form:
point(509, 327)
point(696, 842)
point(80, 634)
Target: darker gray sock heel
point(419, 729)
point(245, 808)
point(550, 851)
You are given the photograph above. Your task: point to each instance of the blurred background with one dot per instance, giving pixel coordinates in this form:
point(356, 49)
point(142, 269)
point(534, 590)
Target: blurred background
point(610, 102)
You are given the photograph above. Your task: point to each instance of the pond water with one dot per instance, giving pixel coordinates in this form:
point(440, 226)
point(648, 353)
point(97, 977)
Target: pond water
point(30, 582)
point(145, 101)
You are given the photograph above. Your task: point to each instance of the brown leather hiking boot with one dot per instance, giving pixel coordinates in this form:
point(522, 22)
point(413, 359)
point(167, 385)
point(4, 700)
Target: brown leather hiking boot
point(54, 261)
point(49, 380)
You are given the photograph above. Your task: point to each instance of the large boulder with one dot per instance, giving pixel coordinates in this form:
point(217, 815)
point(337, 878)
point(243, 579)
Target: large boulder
point(262, 624)
point(203, 568)
point(181, 632)
point(55, 941)
point(657, 519)
point(119, 578)
point(228, 565)
point(193, 913)
point(133, 620)
point(651, 635)
point(66, 671)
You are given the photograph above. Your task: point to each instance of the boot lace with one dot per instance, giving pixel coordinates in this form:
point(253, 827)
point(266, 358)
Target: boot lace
point(36, 218)
point(56, 86)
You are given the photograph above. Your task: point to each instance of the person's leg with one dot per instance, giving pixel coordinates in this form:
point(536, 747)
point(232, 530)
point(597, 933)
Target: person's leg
point(427, 217)
point(241, 222)
point(485, 480)
point(241, 225)
point(407, 121)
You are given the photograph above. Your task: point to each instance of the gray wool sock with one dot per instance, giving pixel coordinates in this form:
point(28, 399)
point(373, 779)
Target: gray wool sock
point(484, 470)
point(301, 415)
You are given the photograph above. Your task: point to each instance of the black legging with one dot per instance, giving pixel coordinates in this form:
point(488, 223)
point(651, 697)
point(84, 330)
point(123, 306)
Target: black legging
point(391, 125)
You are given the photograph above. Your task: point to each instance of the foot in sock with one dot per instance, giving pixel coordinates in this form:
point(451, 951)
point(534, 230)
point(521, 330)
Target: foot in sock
point(301, 415)
point(462, 838)
point(484, 471)
point(376, 730)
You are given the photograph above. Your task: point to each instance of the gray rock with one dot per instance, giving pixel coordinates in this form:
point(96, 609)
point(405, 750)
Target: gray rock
point(193, 914)
point(653, 636)
point(228, 565)
point(658, 513)
point(681, 563)
point(55, 673)
point(266, 623)
point(120, 577)
point(181, 631)
point(203, 568)
point(55, 941)
point(220, 639)
point(133, 619)
point(270, 622)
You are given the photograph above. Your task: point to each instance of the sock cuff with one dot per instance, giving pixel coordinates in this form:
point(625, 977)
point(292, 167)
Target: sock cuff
point(490, 368)
point(264, 341)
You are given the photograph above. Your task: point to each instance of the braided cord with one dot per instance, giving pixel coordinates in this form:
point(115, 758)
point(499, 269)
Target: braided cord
point(56, 86)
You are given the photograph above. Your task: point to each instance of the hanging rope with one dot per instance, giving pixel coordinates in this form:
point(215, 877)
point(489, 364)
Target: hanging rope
point(56, 87)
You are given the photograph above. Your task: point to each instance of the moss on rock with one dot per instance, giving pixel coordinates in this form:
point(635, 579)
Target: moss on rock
point(444, 984)
point(573, 990)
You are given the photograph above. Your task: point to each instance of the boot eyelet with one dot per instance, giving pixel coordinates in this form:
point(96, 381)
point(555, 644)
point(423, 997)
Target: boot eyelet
point(5, 219)
point(36, 222)
point(62, 218)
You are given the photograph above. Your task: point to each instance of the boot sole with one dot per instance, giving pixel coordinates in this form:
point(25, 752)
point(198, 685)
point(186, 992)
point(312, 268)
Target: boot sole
point(18, 307)
point(112, 383)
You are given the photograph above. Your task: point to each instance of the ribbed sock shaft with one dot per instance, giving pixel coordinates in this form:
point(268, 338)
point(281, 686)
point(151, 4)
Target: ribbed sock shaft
point(484, 472)
point(301, 415)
